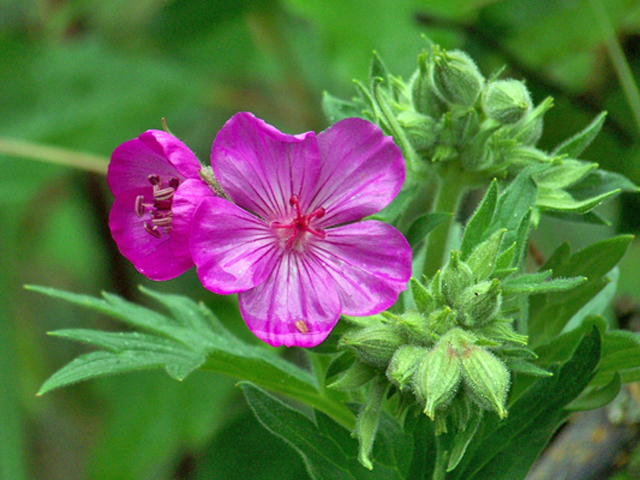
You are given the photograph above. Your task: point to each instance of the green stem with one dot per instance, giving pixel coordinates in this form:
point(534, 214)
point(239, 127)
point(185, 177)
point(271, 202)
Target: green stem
point(60, 156)
point(305, 393)
point(442, 458)
point(618, 59)
point(452, 188)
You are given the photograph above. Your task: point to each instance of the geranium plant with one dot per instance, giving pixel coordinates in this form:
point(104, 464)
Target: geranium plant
point(437, 348)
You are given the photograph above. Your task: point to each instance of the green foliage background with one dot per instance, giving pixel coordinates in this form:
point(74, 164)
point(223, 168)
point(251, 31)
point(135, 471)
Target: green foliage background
point(86, 75)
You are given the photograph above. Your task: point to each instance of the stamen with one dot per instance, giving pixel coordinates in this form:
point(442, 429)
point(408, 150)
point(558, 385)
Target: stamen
point(302, 326)
point(139, 206)
point(162, 221)
point(154, 179)
point(163, 194)
point(153, 231)
point(174, 182)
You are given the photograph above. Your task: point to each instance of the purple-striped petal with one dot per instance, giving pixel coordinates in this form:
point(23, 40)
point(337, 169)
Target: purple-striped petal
point(369, 261)
point(153, 152)
point(151, 256)
point(232, 249)
point(297, 306)
point(260, 168)
point(187, 198)
point(362, 171)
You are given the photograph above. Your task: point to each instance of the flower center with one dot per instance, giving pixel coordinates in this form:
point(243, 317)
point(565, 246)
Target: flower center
point(159, 209)
point(300, 224)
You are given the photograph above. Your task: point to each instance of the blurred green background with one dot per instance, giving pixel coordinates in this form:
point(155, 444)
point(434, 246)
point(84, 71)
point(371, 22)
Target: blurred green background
point(87, 75)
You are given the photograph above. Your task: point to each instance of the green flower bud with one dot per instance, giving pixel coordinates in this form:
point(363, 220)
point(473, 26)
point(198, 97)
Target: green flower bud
point(441, 321)
point(403, 364)
point(423, 96)
point(355, 376)
point(528, 130)
point(375, 344)
point(419, 129)
point(437, 377)
point(502, 331)
point(506, 101)
point(456, 77)
point(413, 325)
point(421, 296)
point(456, 277)
point(480, 303)
point(482, 260)
point(486, 377)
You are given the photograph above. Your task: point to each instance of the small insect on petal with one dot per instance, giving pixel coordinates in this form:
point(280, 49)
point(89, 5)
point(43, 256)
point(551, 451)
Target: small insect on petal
point(302, 326)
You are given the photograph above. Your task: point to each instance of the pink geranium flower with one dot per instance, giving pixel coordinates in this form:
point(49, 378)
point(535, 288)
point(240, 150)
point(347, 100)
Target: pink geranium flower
point(156, 185)
point(293, 243)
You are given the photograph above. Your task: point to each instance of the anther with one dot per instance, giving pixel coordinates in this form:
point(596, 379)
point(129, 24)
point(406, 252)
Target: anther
point(154, 179)
point(152, 230)
point(174, 182)
point(139, 206)
point(162, 221)
point(163, 194)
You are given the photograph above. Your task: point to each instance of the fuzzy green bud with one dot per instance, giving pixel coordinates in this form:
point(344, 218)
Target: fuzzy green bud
point(423, 96)
point(421, 296)
point(483, 258)
point(419, 129)
point(441, 320)
point(355, 376)
point(403, 364)
point(528, 130)
point(375, 344)
point(506, 101)
point(480, 303)
point(456, 277)
point(437, 377)
point(486, 377)
point(456, 77)
point(413, 325)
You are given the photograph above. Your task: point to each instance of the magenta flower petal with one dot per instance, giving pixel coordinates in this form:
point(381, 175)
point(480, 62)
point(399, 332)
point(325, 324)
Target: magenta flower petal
point(260, 168)
point(145, 175)
point(152, 152)
point(153, 257)
point(370, 263)
point(297, 305)
point(233, 249)
point(362, 171)
point(284, 247)
point(185, 201)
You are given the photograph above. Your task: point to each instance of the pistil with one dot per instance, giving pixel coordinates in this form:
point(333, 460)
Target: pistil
point(301, 223)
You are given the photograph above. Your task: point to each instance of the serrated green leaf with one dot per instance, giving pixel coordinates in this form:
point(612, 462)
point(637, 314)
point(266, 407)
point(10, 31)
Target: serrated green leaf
point(357, 375)
point(550, 320)
point(521, 239)
point(421, 227)
point(368, 418)
point(620, 354)
point(482, 260)
point(600, 182)
point(336, 109)
point(519, 365)
point(540, 282)
point(221, 353)
point(122, 341)
point(421, 295)
point(189, 313)
point(515, 202)
point(597, 397)
point(563, 173)
point(593, 261)
point(592, 217)
point(377, 68)
point(480, 221)
point(561, 200)
point(98, 364)
point(575, 145)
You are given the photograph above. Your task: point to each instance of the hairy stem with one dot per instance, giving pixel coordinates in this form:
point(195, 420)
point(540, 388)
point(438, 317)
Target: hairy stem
point(452, 188)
